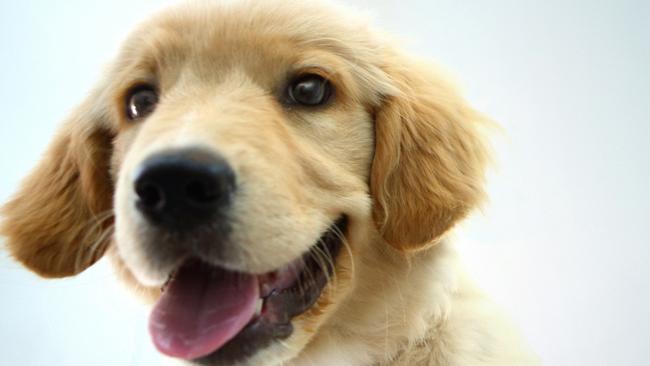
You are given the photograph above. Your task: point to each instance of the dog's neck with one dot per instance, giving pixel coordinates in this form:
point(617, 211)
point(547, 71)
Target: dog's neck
point(401, 300)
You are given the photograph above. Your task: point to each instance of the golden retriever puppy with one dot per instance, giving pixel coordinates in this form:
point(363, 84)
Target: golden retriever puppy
point(279, 181)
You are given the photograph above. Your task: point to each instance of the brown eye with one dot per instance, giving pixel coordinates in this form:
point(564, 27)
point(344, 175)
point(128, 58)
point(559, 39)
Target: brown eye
point(310, 90)
point(141, 102)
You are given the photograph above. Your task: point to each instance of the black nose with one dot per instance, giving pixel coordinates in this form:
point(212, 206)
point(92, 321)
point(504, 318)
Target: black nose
point(184, 188)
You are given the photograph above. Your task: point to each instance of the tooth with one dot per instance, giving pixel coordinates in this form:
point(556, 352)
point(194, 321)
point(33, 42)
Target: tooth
point(258, 306)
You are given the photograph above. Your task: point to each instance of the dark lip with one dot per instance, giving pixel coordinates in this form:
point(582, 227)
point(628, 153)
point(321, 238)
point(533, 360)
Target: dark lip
point(280, 307)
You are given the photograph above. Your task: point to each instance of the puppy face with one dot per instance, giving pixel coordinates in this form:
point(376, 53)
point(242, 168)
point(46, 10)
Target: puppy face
point(242, 157)
point(283, 120)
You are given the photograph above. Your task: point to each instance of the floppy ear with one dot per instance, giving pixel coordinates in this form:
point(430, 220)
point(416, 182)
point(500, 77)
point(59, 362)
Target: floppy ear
point(54, 224)
point(429, 161)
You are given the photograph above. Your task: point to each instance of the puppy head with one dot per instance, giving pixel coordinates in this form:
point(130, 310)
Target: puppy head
point(240, 156)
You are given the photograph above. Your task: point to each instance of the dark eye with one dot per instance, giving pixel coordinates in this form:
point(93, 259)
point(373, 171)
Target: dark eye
point(310, 90)
point(141, 102)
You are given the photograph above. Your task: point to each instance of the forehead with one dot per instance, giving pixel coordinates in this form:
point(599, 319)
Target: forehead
point(265, 39)
point(261, 25)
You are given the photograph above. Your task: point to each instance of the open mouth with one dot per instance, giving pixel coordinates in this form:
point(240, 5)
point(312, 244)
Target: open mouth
point(209, 314)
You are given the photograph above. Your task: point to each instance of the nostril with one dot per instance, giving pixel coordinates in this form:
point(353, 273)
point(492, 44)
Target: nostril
point(201, 192)
point(150, 195)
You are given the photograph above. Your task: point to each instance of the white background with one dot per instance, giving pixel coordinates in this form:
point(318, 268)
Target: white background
point(563, 244)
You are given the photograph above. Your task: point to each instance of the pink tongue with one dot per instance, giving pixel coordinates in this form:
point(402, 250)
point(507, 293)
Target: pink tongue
point(201, 310)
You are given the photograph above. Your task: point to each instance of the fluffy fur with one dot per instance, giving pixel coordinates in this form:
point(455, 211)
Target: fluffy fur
point(398, 150)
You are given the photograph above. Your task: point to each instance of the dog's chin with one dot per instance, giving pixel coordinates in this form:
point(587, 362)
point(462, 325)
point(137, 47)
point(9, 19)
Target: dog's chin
point(211, 315)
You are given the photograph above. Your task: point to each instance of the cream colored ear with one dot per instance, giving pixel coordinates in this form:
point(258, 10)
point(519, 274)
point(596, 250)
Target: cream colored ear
point(430, 158)
point(56, 223)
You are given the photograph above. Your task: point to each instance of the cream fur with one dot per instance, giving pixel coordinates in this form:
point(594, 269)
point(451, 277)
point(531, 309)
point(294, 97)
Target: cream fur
point(439, 318)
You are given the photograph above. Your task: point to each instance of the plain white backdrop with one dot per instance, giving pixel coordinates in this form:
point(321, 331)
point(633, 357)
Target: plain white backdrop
point(563, 245)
